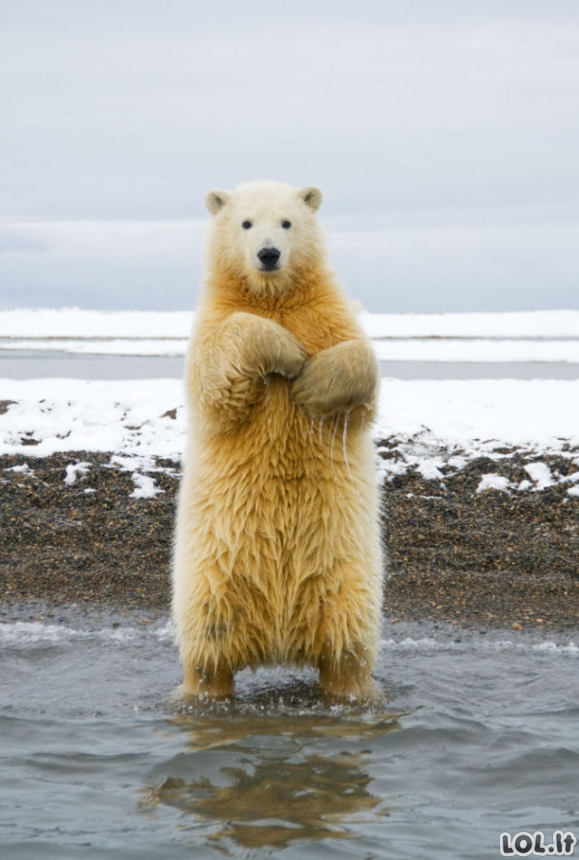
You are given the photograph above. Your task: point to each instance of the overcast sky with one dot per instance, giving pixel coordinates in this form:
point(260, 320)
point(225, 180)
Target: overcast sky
point(444, 135)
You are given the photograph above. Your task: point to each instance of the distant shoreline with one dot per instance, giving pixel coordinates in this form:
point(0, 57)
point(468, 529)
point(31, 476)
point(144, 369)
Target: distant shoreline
point(454, 554)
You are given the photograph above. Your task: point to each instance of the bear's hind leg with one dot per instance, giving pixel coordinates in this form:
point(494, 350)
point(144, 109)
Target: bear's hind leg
point(348, 678)
point(208, 682)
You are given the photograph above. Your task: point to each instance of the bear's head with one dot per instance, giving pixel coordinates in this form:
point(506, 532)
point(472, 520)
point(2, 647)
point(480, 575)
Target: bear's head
point(265, 233)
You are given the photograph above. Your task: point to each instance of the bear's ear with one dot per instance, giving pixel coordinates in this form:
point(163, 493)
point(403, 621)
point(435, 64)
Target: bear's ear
point(216, 200)
point(311, 196)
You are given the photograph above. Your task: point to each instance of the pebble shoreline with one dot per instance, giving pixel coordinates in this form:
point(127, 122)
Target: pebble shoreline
point(476, 560)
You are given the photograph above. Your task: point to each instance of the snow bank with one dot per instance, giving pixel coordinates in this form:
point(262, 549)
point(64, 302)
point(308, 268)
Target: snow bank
point(133, 417)
point(481, 351)
point(77, 323)
point(146, 417)
point(437, 427)
point(542, 324)
point(478, 413)
point(74, 322)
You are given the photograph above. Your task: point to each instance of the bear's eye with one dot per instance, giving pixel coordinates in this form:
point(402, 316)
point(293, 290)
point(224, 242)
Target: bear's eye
point(286, 224)
point(247, 225)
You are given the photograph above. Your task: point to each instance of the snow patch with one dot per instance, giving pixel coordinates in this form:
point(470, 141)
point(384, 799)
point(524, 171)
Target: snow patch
point(430, 469)
point(23, 469)
point(492, 481)
point(74, 471)
point(540, 474)
point(145, 487)
point(574, 478)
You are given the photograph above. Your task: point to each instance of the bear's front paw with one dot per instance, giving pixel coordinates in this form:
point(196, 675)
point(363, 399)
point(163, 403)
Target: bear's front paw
point(262, 345)
point(289, 355)
point(336, 380)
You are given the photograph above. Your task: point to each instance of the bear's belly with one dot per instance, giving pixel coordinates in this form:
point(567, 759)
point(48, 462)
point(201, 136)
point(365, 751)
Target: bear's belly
point(275, 513)
point(280, 442)
point(281, 474)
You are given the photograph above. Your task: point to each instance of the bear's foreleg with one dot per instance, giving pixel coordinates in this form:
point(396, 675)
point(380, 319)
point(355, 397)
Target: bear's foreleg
point(338, 379)
point(229, 362)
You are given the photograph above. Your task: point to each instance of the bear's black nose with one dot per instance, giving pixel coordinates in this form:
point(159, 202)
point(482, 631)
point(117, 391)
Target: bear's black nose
point(268, 257)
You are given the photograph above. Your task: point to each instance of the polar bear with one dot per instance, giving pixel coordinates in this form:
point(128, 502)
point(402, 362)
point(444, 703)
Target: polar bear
point(277, 553)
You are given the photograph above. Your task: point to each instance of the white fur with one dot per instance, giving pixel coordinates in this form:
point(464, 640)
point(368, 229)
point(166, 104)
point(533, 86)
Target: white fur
point(277, 555)
point(266, 206)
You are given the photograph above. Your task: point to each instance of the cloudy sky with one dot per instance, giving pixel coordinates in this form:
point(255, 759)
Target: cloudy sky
point(443, 133)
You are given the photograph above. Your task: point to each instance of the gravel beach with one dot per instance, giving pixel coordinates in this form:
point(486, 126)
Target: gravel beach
point(76, 528)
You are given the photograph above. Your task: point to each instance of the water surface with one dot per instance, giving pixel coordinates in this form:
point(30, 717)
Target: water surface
point(34, 364)
point(478, 734)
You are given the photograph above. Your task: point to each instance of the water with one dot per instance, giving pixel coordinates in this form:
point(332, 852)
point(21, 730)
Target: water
point(479, 734)
point(32, 364)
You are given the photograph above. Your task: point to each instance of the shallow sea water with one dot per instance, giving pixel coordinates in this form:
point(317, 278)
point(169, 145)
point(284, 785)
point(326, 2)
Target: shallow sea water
point(478, 734)
point(32, 364)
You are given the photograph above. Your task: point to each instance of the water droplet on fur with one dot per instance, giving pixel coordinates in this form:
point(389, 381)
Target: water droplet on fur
point(344, 442)
point(333, 430)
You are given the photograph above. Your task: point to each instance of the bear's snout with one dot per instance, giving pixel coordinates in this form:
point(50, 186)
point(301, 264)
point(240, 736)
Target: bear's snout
point(269, 257)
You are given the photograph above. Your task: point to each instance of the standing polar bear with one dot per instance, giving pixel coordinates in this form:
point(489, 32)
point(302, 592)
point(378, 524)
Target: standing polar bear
point(277, 553)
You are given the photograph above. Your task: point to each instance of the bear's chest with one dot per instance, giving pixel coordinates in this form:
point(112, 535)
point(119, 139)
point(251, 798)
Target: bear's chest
point(317, 327)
